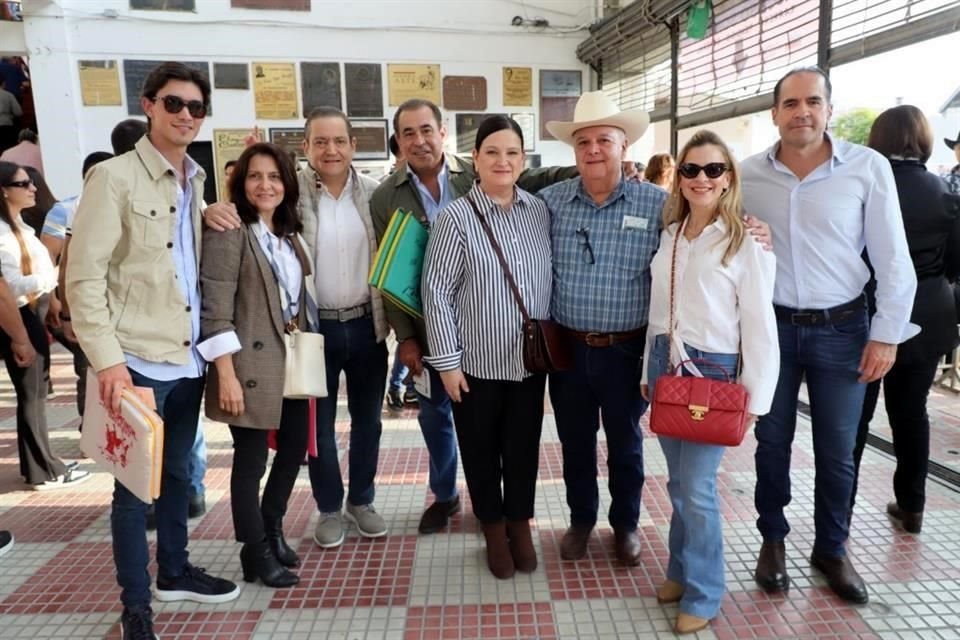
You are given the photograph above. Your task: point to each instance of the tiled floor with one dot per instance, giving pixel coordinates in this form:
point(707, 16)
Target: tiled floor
point(58, 581)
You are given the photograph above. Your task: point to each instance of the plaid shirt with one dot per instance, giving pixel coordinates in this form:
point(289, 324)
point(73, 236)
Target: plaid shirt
point(602, 254)
point(953, 180)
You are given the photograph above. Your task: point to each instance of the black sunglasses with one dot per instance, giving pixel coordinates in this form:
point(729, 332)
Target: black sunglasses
point(713, 170)
point(175, 104)
point(23, 184)
point(586, 250)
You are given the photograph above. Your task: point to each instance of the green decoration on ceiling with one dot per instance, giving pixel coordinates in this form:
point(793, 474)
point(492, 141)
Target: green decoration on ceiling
point(698, 19)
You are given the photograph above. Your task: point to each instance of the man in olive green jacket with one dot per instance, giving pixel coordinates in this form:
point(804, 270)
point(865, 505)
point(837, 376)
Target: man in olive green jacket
point(428, 182)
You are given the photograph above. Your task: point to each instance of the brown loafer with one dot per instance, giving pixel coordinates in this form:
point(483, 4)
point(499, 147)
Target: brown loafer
point(670, 592)
point(842, 578)
point(626, 545)
point(911, 521)
point(521, 545)
point(573, 546)
point(771, 572)
point(687, 623)
point(437, 515)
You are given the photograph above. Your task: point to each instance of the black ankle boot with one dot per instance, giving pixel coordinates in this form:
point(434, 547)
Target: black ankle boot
point(258, 561)
point(287, 556)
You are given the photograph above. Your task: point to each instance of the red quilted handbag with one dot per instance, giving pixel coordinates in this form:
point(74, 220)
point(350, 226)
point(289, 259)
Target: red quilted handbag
point(699, 409)
point(694, 408)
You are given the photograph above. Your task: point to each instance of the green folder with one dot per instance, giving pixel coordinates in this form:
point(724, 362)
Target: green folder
point(385, 245)
point(399, 262)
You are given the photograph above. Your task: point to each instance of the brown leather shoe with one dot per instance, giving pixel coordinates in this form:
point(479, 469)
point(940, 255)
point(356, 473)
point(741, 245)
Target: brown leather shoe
point(842, 578)
point(573, 546)
point(687, 623)
point(911, 521)
point(498, 550)
point(521, 545)
point(626, 545)
point(771, 573)
point(669, 592)
point(437, 515)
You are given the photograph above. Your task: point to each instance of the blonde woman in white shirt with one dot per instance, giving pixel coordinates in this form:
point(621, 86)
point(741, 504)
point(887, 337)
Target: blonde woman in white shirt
point(723, 312)
point(27, 268)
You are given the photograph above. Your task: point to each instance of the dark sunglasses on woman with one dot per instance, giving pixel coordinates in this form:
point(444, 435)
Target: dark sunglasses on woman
point(23, 184)
point(175, 104)
point(714, 170)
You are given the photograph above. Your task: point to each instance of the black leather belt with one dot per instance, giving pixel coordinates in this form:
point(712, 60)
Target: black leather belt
point(821, 317)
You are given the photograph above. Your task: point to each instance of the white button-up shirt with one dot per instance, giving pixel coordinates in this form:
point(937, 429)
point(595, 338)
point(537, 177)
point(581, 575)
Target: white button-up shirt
point(719, 309)
point(820, 226)
point(342, 252)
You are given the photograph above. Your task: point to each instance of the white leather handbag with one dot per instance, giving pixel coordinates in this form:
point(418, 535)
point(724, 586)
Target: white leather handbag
point(305, 373)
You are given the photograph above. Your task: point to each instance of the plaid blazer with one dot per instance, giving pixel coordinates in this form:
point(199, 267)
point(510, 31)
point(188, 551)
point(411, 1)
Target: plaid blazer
point(240, 294)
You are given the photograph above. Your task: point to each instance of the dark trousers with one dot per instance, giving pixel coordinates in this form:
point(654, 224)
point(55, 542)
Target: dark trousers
point(604, 382)
point(498, 428)
point(905, 390)
point(250, 463)
point(350, 347)
point(37, 460)
point(178, 403)
point(828, 358)
point(80, 365)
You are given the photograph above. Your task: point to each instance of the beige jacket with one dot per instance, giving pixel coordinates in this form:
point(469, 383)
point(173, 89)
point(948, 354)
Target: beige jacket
point(121, 284)
point(363, 188)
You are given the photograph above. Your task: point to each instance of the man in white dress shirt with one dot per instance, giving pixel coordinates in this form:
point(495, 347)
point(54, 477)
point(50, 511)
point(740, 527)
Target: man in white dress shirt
point(334, 208)
point(825, 200)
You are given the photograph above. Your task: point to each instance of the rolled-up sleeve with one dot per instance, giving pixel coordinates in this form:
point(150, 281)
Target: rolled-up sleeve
point(889, 254)
point(443, 271)
point(760, 344)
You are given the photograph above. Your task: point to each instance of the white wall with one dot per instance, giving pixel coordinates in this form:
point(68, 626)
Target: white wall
point(466, 37)
point(11, 38)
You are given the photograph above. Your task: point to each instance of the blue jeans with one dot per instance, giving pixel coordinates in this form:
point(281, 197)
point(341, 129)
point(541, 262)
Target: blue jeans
point(696, 535)
point(350, 347)
point(198, 461)
point(827, 357)
point(436, 425)
point(604, 381)
point(397, 373)
point(178, 402)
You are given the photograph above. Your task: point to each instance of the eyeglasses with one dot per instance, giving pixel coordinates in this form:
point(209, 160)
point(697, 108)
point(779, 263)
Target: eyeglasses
point(583, 239)
point(713, 170)
point(175, 104)
point(23, 184)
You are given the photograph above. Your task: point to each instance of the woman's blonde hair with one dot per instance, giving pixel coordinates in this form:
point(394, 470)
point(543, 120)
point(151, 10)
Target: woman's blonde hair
point(730, 205)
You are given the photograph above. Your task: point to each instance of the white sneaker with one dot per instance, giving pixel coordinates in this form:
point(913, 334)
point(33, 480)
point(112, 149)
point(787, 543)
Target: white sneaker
point(6, 542)
point(74, 475)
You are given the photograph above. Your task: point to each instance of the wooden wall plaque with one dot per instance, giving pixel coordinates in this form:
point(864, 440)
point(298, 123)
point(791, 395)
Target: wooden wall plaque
point(465, 93)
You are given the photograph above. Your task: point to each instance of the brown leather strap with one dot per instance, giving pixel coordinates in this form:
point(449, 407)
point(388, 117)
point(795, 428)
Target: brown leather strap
point(594, 339)
point(503, 261)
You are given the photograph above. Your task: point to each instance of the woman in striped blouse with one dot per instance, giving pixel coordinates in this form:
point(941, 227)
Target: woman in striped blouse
point(474, 335)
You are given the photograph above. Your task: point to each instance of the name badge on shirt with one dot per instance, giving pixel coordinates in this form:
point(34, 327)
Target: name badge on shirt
point(634, 222)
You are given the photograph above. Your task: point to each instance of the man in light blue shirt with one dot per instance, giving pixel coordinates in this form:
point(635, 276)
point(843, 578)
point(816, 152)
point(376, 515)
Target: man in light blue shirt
point(825, 201)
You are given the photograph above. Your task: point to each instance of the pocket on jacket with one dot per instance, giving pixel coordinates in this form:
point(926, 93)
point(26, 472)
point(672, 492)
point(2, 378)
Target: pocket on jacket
point(151, 223)
point(129, 309)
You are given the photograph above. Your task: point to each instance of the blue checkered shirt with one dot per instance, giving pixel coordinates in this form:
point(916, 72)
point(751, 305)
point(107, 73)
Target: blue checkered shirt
point(607, 291)
point(953, 180)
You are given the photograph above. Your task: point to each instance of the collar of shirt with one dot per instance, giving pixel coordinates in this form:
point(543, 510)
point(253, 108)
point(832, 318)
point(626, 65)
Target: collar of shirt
point(838, 151)
point(432, 207)
point(323, 192)
point(486, 203)
point(620, 192)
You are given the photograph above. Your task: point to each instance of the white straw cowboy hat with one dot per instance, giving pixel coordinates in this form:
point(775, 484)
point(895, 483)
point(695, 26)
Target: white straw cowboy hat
point(595, 109)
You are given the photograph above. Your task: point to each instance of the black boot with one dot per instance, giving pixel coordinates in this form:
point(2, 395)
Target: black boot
point(258, 561)
point(287, 556)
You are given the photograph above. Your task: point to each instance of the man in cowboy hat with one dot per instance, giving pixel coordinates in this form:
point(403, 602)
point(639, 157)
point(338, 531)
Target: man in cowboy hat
point(605, 230)
point(953, 178)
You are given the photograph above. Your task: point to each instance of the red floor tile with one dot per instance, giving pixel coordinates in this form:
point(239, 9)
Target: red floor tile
point(55, 516)
point(599, 575)
point(360, 573)
point(520, 621)
point(201, 625)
